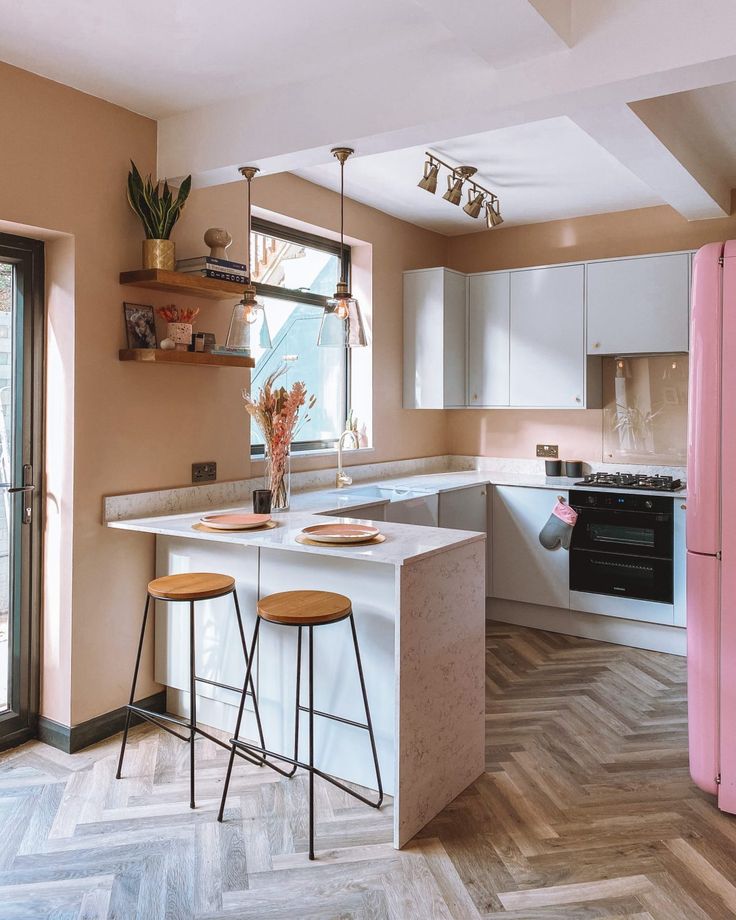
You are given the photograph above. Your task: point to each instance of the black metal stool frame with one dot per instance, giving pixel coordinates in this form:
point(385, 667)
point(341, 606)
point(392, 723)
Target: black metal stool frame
point(191, 724)
point(236, 745)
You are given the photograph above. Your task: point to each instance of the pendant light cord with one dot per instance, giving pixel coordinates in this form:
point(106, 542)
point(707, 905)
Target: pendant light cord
point(247, 235)
point(343, 273)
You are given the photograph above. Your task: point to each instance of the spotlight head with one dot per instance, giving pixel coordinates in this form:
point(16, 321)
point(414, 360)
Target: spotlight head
point(454, 191)
point(475, 204)
point(493, 214)
point(429, 181)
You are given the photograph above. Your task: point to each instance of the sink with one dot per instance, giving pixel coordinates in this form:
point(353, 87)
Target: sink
point(381, 493)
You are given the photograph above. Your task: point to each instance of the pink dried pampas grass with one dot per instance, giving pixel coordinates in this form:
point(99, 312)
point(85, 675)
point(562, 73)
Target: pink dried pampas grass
point(275, 410)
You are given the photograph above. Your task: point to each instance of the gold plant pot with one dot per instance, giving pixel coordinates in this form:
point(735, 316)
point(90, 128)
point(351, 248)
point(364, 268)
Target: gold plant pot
point(159, 254)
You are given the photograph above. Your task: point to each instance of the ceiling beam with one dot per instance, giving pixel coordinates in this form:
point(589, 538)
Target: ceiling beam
point(505, 32)
point(664, 161)
point(440, 91)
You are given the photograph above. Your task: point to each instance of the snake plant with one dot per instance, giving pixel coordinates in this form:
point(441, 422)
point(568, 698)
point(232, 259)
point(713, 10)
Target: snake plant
point(155, 204)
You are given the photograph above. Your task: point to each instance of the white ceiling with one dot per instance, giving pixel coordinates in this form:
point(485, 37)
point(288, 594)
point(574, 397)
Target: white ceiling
point(169, 56)
point(546, 170)
point(567, 107)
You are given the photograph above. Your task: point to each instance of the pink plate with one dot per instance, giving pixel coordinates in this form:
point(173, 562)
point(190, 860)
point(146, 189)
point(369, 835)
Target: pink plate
point(341, 533)
point(235, 520)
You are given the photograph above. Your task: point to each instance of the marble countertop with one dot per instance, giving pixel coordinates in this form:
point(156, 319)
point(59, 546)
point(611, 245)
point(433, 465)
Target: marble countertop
point(404, 542)
point(445, 482)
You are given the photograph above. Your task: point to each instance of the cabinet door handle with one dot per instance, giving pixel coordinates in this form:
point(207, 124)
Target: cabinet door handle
point(577, 399)
point(596, 344)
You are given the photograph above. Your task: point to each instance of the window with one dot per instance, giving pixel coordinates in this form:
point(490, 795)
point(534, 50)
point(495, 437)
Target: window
point(294, 274)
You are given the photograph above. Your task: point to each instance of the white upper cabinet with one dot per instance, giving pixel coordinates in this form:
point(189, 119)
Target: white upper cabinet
point(638, 305)
point(488, 339)
point(547, 353)
point(435, 306)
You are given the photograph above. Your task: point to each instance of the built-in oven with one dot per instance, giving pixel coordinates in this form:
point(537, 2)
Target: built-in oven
point(623, 545)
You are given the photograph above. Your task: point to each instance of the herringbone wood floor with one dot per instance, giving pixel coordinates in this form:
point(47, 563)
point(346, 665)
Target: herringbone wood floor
point(586, 811)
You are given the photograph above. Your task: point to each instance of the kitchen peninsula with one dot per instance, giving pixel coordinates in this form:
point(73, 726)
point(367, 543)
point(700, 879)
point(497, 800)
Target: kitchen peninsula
point(419, 602)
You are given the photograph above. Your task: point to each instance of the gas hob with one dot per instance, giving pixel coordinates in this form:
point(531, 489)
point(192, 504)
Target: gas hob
point(631, 481)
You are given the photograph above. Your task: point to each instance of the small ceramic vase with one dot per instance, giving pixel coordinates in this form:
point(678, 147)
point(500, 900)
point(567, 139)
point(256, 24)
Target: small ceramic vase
point(180, 334)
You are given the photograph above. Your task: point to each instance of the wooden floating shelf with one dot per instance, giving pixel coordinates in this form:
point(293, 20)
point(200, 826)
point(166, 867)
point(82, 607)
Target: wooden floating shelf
point(158, 279)
point(201, 358)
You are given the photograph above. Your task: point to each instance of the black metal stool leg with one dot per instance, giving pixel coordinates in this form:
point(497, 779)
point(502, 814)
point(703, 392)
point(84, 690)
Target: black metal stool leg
point(256, 710)
point(192, 704)
point(135, 680)
point(240, 717)
point(367, 714)
point(298, 693)
point(311, 743)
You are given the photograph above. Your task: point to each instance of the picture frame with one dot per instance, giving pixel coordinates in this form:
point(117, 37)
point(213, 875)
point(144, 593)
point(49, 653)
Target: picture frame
point(140, 325)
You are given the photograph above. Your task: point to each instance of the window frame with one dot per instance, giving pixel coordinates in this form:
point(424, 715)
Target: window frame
point(301, 237)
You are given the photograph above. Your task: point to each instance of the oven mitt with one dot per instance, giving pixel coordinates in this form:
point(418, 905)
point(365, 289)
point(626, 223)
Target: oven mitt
point(558, 529)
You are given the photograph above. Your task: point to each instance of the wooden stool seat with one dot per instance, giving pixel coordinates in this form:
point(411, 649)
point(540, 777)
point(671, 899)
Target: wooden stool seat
point(304, 608)
point(192, 586)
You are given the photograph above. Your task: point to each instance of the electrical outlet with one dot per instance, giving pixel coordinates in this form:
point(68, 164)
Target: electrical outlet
point(548, 450)
point(204, 472)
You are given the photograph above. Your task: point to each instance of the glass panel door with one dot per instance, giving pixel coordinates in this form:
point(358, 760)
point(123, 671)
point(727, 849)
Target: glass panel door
point(21, 306)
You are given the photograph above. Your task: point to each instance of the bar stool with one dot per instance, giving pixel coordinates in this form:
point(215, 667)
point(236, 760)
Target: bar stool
point(190, 588)
point(304, 610)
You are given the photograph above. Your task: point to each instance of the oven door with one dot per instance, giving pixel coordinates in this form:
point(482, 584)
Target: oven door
point(639, 533)
point(641, 577)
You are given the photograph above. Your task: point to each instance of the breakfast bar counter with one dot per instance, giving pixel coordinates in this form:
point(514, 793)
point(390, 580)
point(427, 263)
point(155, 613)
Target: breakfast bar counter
point(419, 605)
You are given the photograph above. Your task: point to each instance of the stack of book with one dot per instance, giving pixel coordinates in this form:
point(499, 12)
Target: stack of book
point(207, 267)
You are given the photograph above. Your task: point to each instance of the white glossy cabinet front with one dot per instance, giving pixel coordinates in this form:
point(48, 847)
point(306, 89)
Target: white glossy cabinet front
point(488, 339)
point(435, 306)
point(638, 306)
point(547, 344)
point(464, 509)
point(523, 570)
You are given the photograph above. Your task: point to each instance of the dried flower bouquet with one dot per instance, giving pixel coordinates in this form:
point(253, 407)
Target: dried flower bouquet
point(275, 410)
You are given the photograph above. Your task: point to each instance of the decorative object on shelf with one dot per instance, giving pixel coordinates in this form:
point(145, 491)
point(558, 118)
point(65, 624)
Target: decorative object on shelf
point(276, 412)
point(248, 324)
point(459, 177)
point(342, 321)
point(203, 341)
point(140, 325)
point(218, 240)
point(209, 267)
point(158, 211)
point(179, 324)
point(168, 345)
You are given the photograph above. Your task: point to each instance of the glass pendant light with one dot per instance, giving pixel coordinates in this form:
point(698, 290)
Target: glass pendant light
point(248, 324)
point(342, 321)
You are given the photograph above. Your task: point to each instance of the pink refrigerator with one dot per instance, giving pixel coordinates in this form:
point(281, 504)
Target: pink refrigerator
point(711, 524)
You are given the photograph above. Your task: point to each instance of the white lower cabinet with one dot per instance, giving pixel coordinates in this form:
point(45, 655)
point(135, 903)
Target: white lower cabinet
point(464, 509)
point(523, 570)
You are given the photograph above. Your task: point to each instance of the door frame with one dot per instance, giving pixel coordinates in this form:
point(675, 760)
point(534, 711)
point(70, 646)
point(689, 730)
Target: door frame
point(19, 722)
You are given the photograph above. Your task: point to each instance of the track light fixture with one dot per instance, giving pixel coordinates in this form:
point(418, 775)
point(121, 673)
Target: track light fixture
point(458, 178)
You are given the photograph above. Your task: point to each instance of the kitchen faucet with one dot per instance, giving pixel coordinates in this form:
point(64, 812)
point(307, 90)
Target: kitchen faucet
point(342, 479)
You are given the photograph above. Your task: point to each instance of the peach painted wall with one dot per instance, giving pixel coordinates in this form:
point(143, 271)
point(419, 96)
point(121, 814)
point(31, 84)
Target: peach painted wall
point(126, 427)
point(62, 171)
point(515, 432)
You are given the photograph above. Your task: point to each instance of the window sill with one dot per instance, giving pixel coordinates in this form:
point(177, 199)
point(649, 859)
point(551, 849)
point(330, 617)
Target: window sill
point(329, 452)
